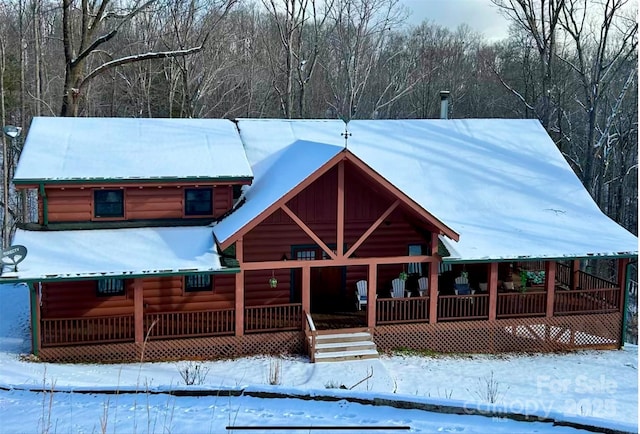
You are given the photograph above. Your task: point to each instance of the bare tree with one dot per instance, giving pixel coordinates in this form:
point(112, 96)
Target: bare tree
point(81, 28)
point(601, 47)
point(299, 25)
point(540, 20)
point(360, 29)
point(5, 171)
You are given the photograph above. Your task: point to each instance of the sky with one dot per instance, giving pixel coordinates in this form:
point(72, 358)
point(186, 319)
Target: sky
point(597, 388)
point(481, 15)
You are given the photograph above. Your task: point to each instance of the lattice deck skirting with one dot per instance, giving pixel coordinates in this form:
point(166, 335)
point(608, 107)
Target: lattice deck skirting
point(507, 335)
point(602, 331)
point(179, 349)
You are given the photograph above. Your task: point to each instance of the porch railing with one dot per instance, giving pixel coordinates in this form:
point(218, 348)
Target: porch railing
point(563, 274)
point(70, 331)
point(189, 324)
point(402, 310)
point(587, 301)
point(311, 335)
point(589, 281)
point(513, 304)
point(271, 318)
point(462, 307)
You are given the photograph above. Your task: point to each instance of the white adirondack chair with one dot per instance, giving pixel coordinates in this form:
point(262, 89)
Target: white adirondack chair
point(423, 286)
point(361, 293)
point(397, 290)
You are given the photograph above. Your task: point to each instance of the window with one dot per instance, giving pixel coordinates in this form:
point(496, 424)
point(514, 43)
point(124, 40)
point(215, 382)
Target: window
point(198, 201)
point(306, 255)
point(110, 287)
point(108, 203)
point(196, 283)
point(416, 267)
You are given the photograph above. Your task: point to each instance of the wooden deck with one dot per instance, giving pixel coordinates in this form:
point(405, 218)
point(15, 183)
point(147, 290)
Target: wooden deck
point(288, 317)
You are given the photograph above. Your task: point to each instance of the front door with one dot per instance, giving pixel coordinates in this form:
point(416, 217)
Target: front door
point(327, 283)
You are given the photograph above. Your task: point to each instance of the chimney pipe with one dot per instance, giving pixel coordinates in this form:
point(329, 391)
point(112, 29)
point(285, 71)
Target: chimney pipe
point(444, 104)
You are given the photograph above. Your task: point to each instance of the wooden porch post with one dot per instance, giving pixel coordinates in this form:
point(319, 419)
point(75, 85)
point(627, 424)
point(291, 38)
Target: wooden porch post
point(239, 305)
point(433, 281)
point(575, 270)
point(433, 292)
point(340, 216)
point(550, 285)
point(138, 311)
point(372, 299)
point(493, 291)
point(35, 294)
point(622, 280)
point(306, 289)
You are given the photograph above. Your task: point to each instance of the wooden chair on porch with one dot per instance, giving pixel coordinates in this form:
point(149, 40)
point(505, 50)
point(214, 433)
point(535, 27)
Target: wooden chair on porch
point(361, 293)
point(397, 288)
point(423, 286)
point(462, 286)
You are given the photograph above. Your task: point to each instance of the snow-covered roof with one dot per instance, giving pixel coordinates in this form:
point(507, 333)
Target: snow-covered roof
point(275, 176)
point(115, 252)
point(501, 184)
point(70, 149)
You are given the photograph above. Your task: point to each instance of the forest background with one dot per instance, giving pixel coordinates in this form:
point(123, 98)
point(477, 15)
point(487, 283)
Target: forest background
point(572, 64)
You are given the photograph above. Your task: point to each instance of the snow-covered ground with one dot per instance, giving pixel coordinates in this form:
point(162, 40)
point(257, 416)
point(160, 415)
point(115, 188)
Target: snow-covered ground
point(599, 388)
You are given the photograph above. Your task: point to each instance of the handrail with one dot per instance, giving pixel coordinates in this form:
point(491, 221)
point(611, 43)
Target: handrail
point(591, 281)
point(310, 323)
point(311, 332)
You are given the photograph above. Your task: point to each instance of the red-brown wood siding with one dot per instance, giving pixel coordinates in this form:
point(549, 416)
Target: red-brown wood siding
point(78, 299)
point(222, 199)
point(161, 294)
point(166, 294)
point(316, 206)
point(75, 204)
point(153, 203)
point(69, 205)
point(258, 291)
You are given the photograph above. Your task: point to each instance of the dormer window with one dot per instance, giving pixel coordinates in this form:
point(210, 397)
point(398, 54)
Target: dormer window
point(108, 203)
point(198, 201)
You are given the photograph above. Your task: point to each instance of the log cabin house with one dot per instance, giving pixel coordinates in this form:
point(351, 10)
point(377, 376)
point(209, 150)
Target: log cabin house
point(207, 238)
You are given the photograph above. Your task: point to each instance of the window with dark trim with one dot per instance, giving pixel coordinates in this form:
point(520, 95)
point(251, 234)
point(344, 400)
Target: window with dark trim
point(108, 203)
point(110, 287)
point(198, 201)
point(416, 267)
point(197, 282)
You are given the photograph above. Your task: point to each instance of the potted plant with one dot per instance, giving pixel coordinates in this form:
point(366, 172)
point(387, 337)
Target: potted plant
point(273, 282)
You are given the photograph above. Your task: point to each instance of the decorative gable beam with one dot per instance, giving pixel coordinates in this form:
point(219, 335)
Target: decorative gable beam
point(395, 191)
point(372, 228)
point(283, 200)
point(307, 230)
point(340, 217)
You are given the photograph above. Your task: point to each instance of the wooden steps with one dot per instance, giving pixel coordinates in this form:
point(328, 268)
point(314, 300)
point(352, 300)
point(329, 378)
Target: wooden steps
point(342, 346)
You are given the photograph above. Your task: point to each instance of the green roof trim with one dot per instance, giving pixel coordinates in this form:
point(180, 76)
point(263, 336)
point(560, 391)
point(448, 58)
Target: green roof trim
point(230, 270)
point(128, 224)
point(531, 259)
point(132, 180)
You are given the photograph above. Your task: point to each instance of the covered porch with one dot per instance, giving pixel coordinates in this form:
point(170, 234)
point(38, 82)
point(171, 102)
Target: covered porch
point(587, 309)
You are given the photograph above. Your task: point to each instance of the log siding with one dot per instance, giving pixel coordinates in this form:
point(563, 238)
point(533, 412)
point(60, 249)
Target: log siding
point(76, 204)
